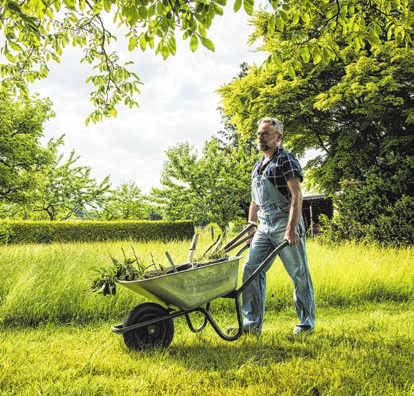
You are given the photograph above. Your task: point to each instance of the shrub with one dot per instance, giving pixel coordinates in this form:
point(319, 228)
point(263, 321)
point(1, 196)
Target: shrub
point(22, 232)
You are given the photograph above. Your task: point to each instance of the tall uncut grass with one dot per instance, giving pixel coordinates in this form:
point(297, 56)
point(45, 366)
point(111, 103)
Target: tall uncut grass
point(48, 283)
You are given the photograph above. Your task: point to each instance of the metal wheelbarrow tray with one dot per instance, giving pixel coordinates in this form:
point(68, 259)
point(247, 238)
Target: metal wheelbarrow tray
point(150, 324)
point(190, 288)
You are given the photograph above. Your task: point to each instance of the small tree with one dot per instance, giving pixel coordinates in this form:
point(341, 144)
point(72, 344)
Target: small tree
point(21, 154)
point(213, 188)
point(125, 203)
point(64, 189)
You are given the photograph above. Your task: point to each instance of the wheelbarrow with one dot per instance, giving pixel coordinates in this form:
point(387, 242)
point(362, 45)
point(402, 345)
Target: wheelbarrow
point(150, 324)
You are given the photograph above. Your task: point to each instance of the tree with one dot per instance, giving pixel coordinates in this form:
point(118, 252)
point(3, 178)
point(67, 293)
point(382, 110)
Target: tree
point(37, 31)
point(354, 112)
point(21, 154)
point(125, 203)
point(358, 112)
point(64, 189)
point(213, 188)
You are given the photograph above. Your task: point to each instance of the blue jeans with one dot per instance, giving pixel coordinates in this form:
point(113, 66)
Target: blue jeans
point(295, 261)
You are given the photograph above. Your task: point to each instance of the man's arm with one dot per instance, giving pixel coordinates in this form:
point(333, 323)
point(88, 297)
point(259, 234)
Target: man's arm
point(254, 208)
point(292, 235)
point(253, 218)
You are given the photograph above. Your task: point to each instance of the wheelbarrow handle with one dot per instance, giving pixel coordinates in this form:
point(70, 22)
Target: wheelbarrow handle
point(229, 245)
point(262, 266)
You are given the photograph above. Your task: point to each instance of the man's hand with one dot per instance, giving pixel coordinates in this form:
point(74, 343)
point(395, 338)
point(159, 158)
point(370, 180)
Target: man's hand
point(292, 236)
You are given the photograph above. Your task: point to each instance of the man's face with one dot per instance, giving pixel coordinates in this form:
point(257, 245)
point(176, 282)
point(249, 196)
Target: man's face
point(267, 137)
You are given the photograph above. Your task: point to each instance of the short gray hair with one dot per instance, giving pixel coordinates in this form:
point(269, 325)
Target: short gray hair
point(273, 121)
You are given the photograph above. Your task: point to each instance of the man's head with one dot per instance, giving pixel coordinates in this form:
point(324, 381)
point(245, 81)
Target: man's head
point(269, 133)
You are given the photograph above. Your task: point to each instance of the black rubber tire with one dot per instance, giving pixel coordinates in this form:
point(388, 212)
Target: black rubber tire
point(156, 335)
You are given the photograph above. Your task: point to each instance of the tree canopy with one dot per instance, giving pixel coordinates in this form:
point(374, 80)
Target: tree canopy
point(22, 155)
point(357, 111)
point(36, 32)
point(214, 187)
point(64, 188)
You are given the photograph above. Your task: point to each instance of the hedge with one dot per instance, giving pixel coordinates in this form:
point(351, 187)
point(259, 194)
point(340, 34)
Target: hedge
point(25, 232)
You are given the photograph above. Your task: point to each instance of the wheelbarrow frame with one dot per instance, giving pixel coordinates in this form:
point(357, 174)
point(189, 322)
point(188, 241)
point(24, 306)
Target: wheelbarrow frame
point(235, 294)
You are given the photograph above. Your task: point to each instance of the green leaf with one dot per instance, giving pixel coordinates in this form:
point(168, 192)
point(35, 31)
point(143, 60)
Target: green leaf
point(202, 29)
point(316, 55)
point(143, 42)
point(70, 4)
point(291, 71)
point(277, 61)
point(132, 43)
point(107, 5)
point(305, 54)
point(142, 11)
point(160, 8)
point(218, 10)
point(97, 6)
point(284, 15)
point(193, 42)
point(279, 23)
point(172, 45)
point(207, 43)
point(271, 26)
point(14, 46)
point(237, 5)
point(248, 7)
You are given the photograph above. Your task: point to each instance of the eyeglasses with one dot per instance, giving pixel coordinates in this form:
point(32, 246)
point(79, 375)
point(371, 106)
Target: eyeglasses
point(265, 134)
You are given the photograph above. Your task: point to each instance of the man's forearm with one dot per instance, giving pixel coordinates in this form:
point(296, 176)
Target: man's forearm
point(295, 212)
point(254, 208)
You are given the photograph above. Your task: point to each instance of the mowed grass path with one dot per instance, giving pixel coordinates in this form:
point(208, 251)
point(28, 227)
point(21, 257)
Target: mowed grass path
point(362, 344)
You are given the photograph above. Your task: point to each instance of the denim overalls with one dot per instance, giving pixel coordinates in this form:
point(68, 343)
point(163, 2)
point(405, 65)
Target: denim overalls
point(273, 216)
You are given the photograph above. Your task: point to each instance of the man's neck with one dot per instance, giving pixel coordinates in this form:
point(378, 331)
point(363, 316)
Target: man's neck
point(268, 154)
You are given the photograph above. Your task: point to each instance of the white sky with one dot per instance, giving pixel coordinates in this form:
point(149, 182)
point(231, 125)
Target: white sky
point(178, 103)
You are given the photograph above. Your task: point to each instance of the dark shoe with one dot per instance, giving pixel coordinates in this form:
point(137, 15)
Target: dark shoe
point(302, 329)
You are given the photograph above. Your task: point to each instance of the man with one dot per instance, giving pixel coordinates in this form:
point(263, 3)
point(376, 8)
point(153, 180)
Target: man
point(277, 205)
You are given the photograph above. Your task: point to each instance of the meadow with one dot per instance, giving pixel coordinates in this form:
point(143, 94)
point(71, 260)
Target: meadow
point(56, 337)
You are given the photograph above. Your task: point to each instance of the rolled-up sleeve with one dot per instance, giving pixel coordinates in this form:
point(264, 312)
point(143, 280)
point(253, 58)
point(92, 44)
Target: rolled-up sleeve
point(291, 167)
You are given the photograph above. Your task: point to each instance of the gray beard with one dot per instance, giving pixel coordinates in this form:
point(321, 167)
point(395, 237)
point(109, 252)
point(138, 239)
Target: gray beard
point(263, 146)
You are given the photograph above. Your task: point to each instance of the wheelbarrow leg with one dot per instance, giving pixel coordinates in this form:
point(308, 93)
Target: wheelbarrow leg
point(190, 324)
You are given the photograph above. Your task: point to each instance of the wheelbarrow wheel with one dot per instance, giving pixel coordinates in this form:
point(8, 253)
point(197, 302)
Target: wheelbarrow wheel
point(155, 335)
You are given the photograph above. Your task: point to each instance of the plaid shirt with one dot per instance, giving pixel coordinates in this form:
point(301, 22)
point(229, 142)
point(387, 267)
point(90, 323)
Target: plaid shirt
point(281, 167)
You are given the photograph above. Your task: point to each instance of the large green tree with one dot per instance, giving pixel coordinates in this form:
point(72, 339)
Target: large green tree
point(357, 111)
point(22, 155)
point(213, 187)
point(36, 32)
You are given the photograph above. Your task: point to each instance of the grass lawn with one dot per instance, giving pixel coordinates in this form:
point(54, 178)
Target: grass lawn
point(56, 340)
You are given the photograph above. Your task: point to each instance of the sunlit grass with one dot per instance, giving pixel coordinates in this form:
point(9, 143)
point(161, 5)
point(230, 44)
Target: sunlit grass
point(43, 283)
point(352, 353)
point(56, 339)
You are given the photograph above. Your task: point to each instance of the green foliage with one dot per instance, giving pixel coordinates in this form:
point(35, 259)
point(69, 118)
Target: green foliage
point(355, 109)
point(212, 188)
point(64, 188)
point(125, 203)
point(26, 232)
point(354, 112)
point(37, 32)
point(21, 154)
point(105, 284)
point(377, 210)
